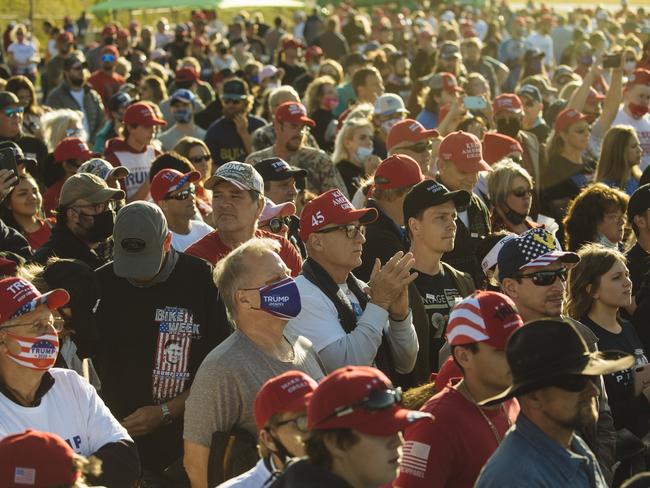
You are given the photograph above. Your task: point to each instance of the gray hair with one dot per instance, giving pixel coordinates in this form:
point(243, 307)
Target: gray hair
point(281, 94)
point(500, 179)
point(233, 270)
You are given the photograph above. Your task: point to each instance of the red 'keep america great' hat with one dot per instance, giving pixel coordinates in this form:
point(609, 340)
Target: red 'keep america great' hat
point(464, 150)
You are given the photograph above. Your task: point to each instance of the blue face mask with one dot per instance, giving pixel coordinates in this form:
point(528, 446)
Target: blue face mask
point(281, 299)
point(182, 115)
point(363, 153)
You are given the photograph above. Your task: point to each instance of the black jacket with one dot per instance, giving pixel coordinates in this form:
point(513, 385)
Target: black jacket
point(383, 239)
point(12, 240)
point(64, 244)
point(302, 474)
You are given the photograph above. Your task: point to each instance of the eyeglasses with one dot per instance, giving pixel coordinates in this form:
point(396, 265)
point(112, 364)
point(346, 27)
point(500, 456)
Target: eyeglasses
point(420, 147)
point(351, 230)
point(375, 401)
point(277, 223)
point(97, 208)
point(10, 112)
point(200, 159)
point(229, 101)
point(545, 278)
point(300, 423)
point(182, 195)
point(570, 382)
point(40, 327)
point(521, 192)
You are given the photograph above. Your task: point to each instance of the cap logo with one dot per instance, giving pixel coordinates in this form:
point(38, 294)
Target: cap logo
point(296, 109)
point(339, 200)
point(280, 166)
point(547, 240)
point(472, 150)
point(133, 244)
point(293, 385)
point(435, 188)
point(504, 310)
point(415, 127)
point(25, 476)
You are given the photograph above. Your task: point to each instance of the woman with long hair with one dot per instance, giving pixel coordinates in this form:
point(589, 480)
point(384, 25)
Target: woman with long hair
point(320, 100)
point(61, 123)
point(152, 89)
point(620, 153)
point(352, 152)
point(197, 152)
point(599, 287)
point(22, 210)
point(597, 214)
point(23, 88)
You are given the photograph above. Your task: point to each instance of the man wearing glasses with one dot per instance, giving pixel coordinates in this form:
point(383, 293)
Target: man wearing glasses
point(84, 219)
point(411, 138)
point(11, 123)
point(175, 194)
point(105, 80)
point(35, 395)
point(229, 137)
point(346, 324)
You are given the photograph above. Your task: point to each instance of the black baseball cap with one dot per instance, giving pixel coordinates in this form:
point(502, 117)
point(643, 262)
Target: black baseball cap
point(430, 193)
point(235, 89)
point(7, 99)
point(118, 101)
point(73, 60)
point(639, 201)
point(354, 59)
point(277, 169)
point(449, 50)
point(530, 91)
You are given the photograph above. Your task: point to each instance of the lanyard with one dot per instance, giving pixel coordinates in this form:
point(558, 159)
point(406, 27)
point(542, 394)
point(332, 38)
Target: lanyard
point(493, 428)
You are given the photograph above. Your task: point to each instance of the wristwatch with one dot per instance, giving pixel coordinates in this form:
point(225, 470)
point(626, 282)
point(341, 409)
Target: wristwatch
point(167, 414)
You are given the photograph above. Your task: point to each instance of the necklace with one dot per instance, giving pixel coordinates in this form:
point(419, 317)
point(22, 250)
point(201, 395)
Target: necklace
point(493, 428)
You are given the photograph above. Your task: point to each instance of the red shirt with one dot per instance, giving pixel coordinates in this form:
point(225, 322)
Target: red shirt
point(106, 84)
point(212, 249)
point(51, 198)
point(451, 451)
point(38, 238)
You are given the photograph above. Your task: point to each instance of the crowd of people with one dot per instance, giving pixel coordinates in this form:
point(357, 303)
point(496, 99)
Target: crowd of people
point(355, 248)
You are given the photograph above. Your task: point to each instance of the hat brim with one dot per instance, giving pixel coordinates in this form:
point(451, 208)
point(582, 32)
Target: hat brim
point(214, 180)
point(291, 173)
point(137, 266)
point(105, 194)
point(54, 300)
point(551, 257)
point(152, 122)
point(282, 210)
point(234, 96)
point(598, 363)
point(380, 423)
point(363, 215)
point(119, 172)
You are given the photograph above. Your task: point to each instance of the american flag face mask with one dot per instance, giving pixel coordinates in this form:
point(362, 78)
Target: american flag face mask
point(37, 353)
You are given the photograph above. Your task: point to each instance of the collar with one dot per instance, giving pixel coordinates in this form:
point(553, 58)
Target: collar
point(567, 462)
point(47, 382)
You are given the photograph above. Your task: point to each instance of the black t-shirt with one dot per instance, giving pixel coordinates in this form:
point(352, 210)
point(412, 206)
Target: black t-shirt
point(378, 147)
point(224, 143)
point(352, 176)
point(563, 178)
point(638, 262)
point(628, 411)
point(323, 119)
point(291, 72)
point(439, 294)
point(541, 131)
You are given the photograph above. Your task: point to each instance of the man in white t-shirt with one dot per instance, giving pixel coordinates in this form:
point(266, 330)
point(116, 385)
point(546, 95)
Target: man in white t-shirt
point(175, 194)
point(634, 112)
point(33, 395)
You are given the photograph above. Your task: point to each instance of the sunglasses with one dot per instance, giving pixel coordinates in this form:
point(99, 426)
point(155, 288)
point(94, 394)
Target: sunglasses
point(420, 147)
point(376, 400)
point(351, 230)
point(182, 195)
point(108, 58)
point(521, 193)
point(229, 101)
point(277, 223)
point(201, 159)
point(570, 382)
point(10, 112)
point(545, 278)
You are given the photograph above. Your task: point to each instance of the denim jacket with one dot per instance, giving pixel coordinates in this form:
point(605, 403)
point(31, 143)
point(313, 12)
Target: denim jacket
point(528, 458)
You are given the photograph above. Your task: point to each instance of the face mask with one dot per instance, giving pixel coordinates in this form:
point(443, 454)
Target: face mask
point(183, 115)
point(606, 242)
point(509, 127)
point(363, 152)
point(281, 299)
point(313, 68)
point(102, 227)
point(638, 111)
point(514, 217)
point(387, 125)
point(36, 352)
point(629, 66)
point(331, 102)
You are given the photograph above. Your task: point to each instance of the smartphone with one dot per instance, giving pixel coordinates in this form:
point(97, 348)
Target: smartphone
point(612, 61)
point(474, 103)
point(8, 159)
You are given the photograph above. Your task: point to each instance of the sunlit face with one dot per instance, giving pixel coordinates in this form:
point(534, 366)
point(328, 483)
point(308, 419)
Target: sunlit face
point(577, 135)
point(281, 191)
point(633, 151)
point(377, 459)
point(612, 225)
point(360, 137)
point(535, 301)
point(639, 95)
point(568, 409)
point(519, 196)
point(25, 199)
point(340, 251)
point(614, 287)
point(233, 209)
point(456, 179)
point(180, 209)
point(202, 160)
point(436, 229)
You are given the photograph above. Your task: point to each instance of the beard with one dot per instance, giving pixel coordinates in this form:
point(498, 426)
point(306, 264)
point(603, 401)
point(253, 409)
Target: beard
point(586, 415)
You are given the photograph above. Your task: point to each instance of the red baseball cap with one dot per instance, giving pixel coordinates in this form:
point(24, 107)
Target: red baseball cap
point(186, 74)
point(110, 49)
point(141, 113)
point(123, 33)
point(566, 118)
point(18, 297)
point(313, 52)
point(294, 113)
point(170, 180)
point(594, 96)
point(39, 459)
point(484, 316)
point(397, 171)
point(288, 392)
point(291, 42)
point(641, 76)
point(331, 207)
point(73, 148)
point(507, 102)
point(464, 150)
point(408, 130)
point(497, 146)
point(109, 31)
point(65, 37)
point(445, 81)
point(359, 398)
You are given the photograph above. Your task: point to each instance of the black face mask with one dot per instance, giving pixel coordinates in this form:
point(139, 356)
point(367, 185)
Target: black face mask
point(514, 217)
point(102, 227)
point(509, 127)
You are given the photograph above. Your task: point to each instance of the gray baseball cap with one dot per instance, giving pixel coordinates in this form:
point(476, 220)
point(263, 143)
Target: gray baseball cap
point(243, 175)
point(139, 234)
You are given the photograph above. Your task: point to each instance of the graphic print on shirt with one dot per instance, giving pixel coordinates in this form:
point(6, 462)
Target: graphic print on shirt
point(176, 330)
point(438, 306)
point(415, 457)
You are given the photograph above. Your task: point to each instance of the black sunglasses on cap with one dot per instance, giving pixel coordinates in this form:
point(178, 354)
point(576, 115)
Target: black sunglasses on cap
point(545, 278)
point(276, 223)
point(375, 401)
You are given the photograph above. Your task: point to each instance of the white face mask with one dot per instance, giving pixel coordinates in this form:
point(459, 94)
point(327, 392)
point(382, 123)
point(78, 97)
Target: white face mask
point(387, 125)
point(629, 66)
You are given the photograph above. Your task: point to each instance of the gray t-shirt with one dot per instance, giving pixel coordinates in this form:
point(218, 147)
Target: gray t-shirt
point(227, 381)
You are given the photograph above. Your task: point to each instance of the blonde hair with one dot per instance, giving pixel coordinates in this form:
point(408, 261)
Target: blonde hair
point(314, 92)
point(500, 180)
point(347, 132)
point(56, 123)
point(612, 165)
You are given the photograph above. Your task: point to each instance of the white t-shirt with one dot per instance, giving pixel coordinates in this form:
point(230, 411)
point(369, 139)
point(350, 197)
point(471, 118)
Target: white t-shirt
point(22, 52)
point(71, 409)
point(138, 165)
point(642, 127)
point(198, 229)
point(78, 96)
